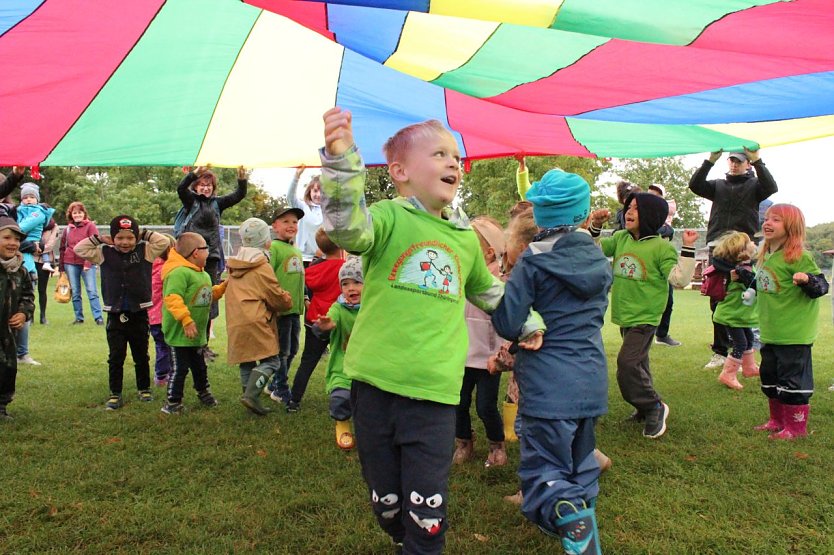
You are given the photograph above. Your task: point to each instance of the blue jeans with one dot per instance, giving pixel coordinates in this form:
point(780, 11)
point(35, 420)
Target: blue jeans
point(22, 339)
point(75, 272)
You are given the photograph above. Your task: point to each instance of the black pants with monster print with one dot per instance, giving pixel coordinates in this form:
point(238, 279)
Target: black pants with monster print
point(405, 449)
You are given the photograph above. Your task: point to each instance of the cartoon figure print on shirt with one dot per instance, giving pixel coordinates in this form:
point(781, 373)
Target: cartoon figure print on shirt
point(429, 268)
point(202, 297)
point(766, 282)
point(630, 267)
point(293, 265)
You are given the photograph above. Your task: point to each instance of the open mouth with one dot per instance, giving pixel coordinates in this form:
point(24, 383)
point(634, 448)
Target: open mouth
point(449, 179)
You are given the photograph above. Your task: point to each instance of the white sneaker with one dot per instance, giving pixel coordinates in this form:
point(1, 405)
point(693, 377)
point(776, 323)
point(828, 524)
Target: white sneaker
point(27, 359)
point(47, 267)
point(717, 361)
point(831, 387)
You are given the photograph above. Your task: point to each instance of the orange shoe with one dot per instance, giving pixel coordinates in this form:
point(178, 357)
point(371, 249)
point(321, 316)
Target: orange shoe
point(344, 435)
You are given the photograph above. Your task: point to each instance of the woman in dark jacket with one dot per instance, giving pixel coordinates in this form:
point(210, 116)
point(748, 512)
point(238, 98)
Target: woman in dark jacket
point(197, 192)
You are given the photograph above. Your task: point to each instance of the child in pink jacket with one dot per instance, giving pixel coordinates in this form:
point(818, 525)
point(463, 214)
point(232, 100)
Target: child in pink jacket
point(483, 342)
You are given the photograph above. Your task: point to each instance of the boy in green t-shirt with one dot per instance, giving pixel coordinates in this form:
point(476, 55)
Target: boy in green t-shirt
point(187, 294)
point(407, 352)
point(644, 265)
point(338, 322)
point(288, 266)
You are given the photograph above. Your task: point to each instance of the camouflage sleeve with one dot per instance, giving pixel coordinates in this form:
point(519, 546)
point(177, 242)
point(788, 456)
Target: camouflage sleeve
point(346, 217)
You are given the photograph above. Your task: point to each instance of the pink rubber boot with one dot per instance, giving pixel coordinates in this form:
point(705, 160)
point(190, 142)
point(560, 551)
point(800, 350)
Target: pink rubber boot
point(775, 422)
point(749, 368)
point(796, 422)
point(728, 374)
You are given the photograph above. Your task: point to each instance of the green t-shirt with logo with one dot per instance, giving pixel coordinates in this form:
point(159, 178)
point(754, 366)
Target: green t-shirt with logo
point(641, 277)
point(734, 313)
point(787, 315)
point(344, 318)
point(195, 289)
point(410, 337)
point(288, 266)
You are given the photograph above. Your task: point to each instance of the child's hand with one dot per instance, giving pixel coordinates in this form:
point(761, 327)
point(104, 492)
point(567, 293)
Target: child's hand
point(299, 170)
point(689, 237)
point(106, 239)
point(599, 217)
point(532, 342)
point(752, 155)
point(18, 170)
point(190, 330)
point(714, 156)
point(800, 278)
point(325, 323)
point(16, 321)
point(241, 172)
point(522, 163)
point(338, 131)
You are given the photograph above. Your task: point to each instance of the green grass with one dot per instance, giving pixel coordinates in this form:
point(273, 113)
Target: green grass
point(76, 478)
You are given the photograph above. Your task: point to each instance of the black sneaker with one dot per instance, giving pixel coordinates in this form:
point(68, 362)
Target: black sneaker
point(4, 415)
point(114, 402)
point(293, 407)
point(172, 408)
point(145, 396)
point(656, 421)
point(206, 398)
point(636, 417)
point(99, 322)
point(77, 323)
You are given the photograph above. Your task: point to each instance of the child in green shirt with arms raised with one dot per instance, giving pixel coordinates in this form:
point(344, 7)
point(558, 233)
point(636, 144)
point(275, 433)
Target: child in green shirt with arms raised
point(421, 261)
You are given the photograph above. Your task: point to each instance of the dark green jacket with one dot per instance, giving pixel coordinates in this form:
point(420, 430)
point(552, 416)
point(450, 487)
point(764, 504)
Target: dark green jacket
point(17, 295)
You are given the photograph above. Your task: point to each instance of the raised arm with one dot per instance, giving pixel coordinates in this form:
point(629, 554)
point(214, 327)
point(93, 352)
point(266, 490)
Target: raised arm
point(292, 193)
point(346, 217)
point(522, 177)
point(227, 201)
point(698, 184)
point(12, 181)
point(90, 249)
point(681, 274)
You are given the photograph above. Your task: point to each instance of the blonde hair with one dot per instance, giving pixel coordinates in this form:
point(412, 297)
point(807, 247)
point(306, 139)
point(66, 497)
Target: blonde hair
point(490, 234)
point(396, 147)
point(308, 192)
point(522, 229)
point(794, 222)
point(189, 242)
point(731, 246)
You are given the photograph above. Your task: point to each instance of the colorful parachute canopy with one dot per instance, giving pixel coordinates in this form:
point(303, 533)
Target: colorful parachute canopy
point(184, 82)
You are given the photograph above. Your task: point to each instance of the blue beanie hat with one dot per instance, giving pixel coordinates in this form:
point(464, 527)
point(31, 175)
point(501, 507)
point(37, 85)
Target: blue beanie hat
point(560, 199)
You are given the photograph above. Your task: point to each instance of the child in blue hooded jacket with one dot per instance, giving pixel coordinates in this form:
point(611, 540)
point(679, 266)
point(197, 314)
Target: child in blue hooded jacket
point(564, 385)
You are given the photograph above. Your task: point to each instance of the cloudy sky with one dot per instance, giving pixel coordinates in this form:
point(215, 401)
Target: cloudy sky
point(795, 168)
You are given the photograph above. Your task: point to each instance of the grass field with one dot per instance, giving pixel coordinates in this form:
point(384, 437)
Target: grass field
point(76, 478)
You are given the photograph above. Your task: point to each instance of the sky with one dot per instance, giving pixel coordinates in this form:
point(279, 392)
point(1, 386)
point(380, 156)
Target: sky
point(795, 168)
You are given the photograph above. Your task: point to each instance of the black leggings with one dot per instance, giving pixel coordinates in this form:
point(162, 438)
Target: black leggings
point(43, 283)
point(742, 340)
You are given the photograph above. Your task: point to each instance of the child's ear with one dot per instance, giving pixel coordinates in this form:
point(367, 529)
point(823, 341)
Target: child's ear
point(397, 172)
point(489, 255)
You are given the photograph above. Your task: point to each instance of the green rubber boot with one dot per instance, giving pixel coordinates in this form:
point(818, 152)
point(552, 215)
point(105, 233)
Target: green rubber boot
point(254, 386)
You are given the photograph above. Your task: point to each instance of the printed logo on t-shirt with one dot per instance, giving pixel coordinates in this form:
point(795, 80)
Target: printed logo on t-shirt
point(293, 265)
point(630, 267)
point(202, 297)
point(767, 282)
point(429, 268)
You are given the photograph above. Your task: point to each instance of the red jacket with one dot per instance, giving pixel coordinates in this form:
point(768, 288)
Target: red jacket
point(322, 280)
point(71, 236)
